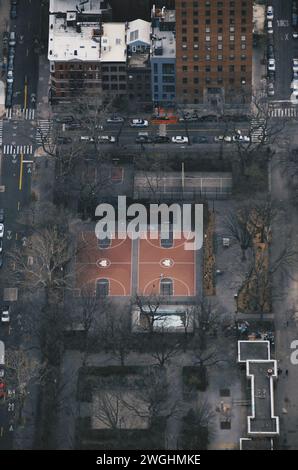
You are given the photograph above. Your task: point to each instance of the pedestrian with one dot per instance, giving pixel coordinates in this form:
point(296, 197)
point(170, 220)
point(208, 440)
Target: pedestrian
point(287, 372)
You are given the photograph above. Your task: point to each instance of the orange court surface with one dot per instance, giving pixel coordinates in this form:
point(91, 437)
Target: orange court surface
point(151, 264)
point(112, 263)
point(175, 263)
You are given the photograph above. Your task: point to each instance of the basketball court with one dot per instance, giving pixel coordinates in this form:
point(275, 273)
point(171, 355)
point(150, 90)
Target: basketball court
point(113, 263)
point(166, 269)
point(144, 266)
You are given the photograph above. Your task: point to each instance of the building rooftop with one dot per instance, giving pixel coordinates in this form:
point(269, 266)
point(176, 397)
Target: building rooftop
point(87, 6)
point(138, 30)
point(163, 44)
point(69, 41)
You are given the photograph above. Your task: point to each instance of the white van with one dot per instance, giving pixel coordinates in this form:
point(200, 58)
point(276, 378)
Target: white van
point(12, 39)
point(2, 353)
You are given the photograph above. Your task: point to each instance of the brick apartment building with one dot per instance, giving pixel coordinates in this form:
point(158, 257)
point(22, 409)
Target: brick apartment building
point(214, 52)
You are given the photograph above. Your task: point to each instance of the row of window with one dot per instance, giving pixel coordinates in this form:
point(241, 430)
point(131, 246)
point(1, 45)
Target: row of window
point(122, 86)
point(219, 46)
point(231, 21)
point(196, 58)
point(219, 68)
point(218, 12)
point(218, 80)
point(208, 30)
point(196, 4)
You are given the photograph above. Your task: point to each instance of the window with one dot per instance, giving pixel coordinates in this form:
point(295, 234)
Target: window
point(219, 57)
point(243, 38)
point(184, 80)
point(219, 68)
point(195, 68)
point(102, 287)
point(219, 37)
point(243, 68)
point(231, 68)
point(166, 286)
point(232, 38)
point(207, 38)
point(184, 68)
point(207, 68)
point(196, 80)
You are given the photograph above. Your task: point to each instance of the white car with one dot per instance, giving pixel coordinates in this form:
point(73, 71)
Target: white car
point(270, 27)
point(218, 138)
point(180, 139)
point(5, 317)
point(295, 65)
point(294, 97)
point(106, 139)
point(295, 34)
point(294, 84)
point(86, 138)
point(271, 65)
point(139, 123)
point(270, 89)
point(269, 13)
point(10, 78)
point(1, 230)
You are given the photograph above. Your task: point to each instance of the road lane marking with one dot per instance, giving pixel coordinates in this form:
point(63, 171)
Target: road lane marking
point(19, 205)
point(1, 431)
point(21, 173)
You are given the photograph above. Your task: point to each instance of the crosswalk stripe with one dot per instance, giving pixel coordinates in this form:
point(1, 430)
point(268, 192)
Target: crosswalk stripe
point(44, 131)
point(288, 112)
point(9, 149)
point(25, 113)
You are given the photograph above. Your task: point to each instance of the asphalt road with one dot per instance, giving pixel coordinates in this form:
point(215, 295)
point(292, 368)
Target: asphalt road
point(27, 28)
point(285, 48)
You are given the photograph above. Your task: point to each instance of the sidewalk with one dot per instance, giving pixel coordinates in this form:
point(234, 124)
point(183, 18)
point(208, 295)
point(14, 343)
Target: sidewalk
point(4, 26)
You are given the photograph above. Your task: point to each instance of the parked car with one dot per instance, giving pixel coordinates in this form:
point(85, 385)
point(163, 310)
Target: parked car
point(143, 138)
point(295, 65)
point(1, 261)
point(294, 97)
point(209, 117)
point(139, 123)
point(201, 139)
point(12, 39)
point(271, 65)
point(2, 372)
point(180, 139)
point(270, 89)
point(1, 230)
point(2, 389)
point(218, 138)
point(115, 119)
point(71, 126)
point(228, 138)
point(270, 51)
point(294, 84)
point(86, 138)
point(1, 245)
point(106, 139)
point(295, 34)
point(9, 77)
point(13, 10)
point(161, 139)
point(5, 316)
point(33, 100)
point(8, 100)
point(1, 215)
point(64, 119)
point(64, 140)
point(270, 14)
point(270, 27)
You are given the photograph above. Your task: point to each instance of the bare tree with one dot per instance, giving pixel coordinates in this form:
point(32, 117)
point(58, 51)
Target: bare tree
point(238, 228)
point(163, 346)
point(42, 263)
point(197, 427)
point(22, 371)
point(149, 309)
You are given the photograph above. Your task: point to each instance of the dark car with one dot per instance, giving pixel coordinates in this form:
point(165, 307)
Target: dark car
point(1, 261)
point(8, 100)
point(143, 140)
point(64, 119)
point(270, 51)
point(161, 139)
point(64, 140)
point(13, 10)
point(1, 216)
point(73, 125)
point(202, 140)
point(208, 117)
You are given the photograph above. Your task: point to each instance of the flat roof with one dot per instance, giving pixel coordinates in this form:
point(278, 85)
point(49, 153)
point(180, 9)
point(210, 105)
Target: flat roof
point(66, 43)
point(165, 42)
